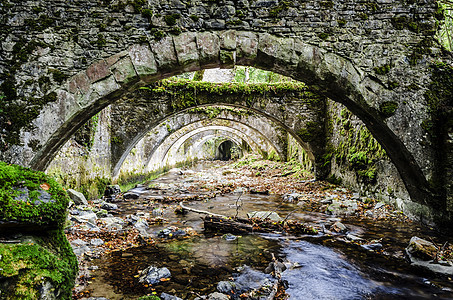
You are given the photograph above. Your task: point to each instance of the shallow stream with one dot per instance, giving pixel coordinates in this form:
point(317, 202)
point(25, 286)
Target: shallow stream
point(323, 266)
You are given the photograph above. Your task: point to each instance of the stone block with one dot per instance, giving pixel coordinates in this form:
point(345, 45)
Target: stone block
point(143, 60)
point(228, 40)
point(98, 90)
point(247, 47)
point(209, 48)
point(186, 50)
point(97, 71)
point(272, 49)
point(164, 51)
point(79, 83)
point(124, 71)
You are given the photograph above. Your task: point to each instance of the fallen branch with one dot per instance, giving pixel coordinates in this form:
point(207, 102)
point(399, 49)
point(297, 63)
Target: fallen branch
point(203, 212)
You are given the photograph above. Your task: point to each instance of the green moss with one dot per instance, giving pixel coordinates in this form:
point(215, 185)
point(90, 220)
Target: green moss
point(39, 24)
point(421, 49)
point(157, 34)
point(149, 297)
point(341, 22)
point(47, 258)
point(176, 30)
point(326, 4)
point(388, 108)
point(392, 84)
point(311, 131)
point(363, 16)
point(277, 10)
point(194, 18)
point(58, 76)
point(147, 13)
point(171, 19)
point(382, 70)
point(323, 35)
point(12, 178)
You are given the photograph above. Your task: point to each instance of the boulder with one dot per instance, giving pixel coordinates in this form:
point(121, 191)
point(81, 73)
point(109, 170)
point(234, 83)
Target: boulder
point(77, 197)
point(108, 206)
point(421, 248)
point(342, 207)
point(113, 223)
point(153, 275)
point(339, 227)
point(111, 191)
point(131, 195)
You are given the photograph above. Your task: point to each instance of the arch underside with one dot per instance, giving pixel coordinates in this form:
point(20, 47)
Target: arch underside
point(328, 73)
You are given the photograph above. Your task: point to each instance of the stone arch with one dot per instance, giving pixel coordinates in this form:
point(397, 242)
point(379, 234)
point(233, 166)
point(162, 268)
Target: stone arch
point(171, 146)
point(275, 131)
point(331, 74)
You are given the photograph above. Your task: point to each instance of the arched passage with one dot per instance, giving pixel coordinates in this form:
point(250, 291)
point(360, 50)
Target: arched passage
point(250, 123)
point(166, 154)
point(331, 74)
point(224, 150)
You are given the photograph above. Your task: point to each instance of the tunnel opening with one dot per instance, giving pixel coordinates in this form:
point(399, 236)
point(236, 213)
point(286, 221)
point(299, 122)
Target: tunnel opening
point(224, 151)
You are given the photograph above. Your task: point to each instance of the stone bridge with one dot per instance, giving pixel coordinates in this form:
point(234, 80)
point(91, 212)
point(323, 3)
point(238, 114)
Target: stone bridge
point(270, 111)
point(61, 62)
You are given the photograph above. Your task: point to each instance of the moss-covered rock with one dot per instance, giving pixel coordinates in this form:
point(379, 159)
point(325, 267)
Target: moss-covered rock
point(39, 267)
point(30, 199)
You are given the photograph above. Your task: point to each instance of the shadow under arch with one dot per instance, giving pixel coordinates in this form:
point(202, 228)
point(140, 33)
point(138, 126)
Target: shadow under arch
point(326, 72)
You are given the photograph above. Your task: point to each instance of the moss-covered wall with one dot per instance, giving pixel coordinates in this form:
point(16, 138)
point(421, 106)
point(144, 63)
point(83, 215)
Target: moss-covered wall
point(83, 163)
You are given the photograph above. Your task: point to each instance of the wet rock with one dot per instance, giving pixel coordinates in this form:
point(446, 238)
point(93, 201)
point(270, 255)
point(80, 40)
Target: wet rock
point(263, 215)
point(74, 212)
point(372, 246)
point(111, 191)
point(113, 223)
point(171, 232)
point(85, 216)
point(218, 296)
point(153, 275)
point(131, 195)
point(102, 213)
point(355, 196)
point(78, 198)
point(229, 237)
point(342, 207)
point(421, 248)
point(96, 242)
point(109, 206)
point(276, 267)
point(339, 227)
point(165, 296)
point(292, 197)
point(78, 242)
point(227, 287)
point(141, 225)
point(79, 251)
point(353, 238)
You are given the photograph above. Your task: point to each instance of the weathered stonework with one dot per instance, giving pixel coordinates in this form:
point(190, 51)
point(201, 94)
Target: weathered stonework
point(102, 50)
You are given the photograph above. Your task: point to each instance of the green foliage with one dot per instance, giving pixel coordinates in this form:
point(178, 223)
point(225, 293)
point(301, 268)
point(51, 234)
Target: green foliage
point(253, 75)
point(444, 15)
point(388, 108)
point(11, 209)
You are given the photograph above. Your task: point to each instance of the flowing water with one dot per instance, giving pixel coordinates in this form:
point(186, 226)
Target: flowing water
point(319, 267)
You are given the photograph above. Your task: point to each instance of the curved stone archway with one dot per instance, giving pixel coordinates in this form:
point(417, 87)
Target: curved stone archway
point(273, 133)
point(105, 81)
point(171, 146)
